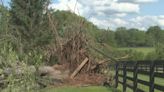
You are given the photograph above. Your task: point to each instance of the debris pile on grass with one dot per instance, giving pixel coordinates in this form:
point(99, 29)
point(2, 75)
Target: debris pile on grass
point(75, 64)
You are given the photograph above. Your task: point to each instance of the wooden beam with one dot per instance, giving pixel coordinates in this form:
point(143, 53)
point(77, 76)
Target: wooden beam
point(79, 68)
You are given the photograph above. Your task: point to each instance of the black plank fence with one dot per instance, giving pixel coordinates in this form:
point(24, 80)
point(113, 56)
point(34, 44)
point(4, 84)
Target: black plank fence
point(152, 69)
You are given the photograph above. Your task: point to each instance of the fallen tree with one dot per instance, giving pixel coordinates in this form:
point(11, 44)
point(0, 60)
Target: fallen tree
point(72, 55)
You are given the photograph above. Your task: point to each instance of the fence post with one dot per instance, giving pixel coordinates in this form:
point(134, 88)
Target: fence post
point(147, 68)
point(135, 75)
point(116, 75)
point(124, 77)
point(156, 68)
point(163, 68)
point(151, 87)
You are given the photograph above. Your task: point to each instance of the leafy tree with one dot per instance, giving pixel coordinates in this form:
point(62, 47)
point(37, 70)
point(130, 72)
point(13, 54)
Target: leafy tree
point(158, 54)
point(107, 36)
point(136, 38)
point(5, 34)
point(149, 40)
point(121, 36)
point(4, 18)
point(154, 32)
point(160, 51)
point(29, 23)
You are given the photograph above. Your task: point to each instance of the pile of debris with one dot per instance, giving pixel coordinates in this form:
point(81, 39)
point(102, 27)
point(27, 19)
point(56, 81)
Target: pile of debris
point(75, 63)
point(76, 66)
point(62, 76)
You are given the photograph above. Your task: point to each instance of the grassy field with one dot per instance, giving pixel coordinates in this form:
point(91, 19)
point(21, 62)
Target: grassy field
point(144, 50)
point(81, 89)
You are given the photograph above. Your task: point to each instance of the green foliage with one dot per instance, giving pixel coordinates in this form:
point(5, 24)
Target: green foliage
point(121, 36)
point(3, 19)
point(158, 54)
point(154, 31)
point(135, 56)
point(155, 34)
point(160, 51)
point(151, 56)
point(137, 38)
point(5, 35)
point(106, 36)
point(144, 50)
point(65, 26)
point(69, 23)
point(129, 54)
point(130, 37)
point(25, 82)
point(21, 77)
point(29, 23)
point(10, 59)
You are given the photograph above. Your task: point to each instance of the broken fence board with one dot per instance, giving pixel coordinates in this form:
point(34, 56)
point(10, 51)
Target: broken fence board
point(79, 68)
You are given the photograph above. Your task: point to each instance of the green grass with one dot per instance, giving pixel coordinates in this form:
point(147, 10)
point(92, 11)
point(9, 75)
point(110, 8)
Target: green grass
point(72, 89)
point(80, 89)
point(144, 50)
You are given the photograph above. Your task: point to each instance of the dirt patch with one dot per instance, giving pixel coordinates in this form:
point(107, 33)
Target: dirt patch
point(87, 79)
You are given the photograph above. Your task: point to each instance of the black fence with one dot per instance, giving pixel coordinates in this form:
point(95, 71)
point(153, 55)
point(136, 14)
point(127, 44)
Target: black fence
point(152, 69)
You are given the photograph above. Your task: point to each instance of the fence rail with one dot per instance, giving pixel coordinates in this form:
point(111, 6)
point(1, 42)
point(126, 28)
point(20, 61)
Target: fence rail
point(152, 69)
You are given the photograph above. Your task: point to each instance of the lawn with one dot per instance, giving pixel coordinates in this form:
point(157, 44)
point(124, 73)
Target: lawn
point(81, 89)
point(144, 50)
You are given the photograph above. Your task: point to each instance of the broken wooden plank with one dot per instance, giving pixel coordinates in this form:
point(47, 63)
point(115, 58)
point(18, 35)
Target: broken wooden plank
point(79, 68)
point(99, 63)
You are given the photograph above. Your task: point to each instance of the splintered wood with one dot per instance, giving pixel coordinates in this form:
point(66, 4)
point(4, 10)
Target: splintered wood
point(79, 68)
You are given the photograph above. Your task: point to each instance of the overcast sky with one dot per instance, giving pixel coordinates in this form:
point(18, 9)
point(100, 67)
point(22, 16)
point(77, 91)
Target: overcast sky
point(115, 13)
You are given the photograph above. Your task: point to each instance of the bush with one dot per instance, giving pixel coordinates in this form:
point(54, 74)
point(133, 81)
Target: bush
point(130, 55)
point(158, 54)
point(19, 75)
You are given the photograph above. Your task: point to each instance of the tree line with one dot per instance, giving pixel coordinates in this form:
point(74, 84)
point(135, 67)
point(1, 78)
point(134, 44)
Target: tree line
point(133, 37)
point(121, 37)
